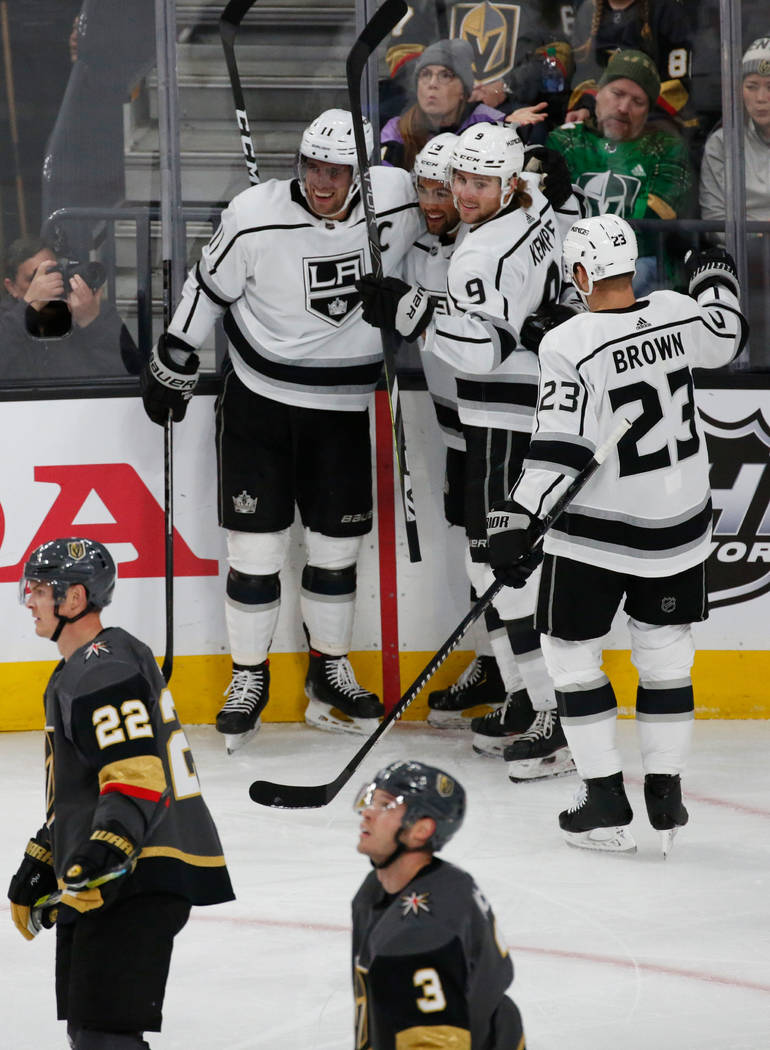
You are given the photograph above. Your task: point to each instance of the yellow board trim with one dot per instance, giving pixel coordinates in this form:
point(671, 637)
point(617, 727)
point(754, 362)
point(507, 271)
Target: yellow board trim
point(728, 684)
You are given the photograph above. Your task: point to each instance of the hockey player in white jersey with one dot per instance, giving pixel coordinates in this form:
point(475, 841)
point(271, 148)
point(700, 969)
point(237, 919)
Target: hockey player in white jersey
point(427, 264)
point(639, 532)
point(505, 268)
point(292, 420)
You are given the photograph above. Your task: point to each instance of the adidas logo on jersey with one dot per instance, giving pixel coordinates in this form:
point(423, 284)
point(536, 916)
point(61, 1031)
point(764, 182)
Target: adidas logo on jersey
point(638, 170)
point(641, 323)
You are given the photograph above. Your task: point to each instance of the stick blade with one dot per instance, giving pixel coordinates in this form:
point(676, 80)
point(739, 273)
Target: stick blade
point(291, 796)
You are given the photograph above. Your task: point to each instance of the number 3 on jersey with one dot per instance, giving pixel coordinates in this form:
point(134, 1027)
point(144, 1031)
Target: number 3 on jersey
point(428, 981)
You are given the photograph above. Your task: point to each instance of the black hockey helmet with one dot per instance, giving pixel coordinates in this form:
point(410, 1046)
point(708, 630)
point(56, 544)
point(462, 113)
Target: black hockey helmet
point(65, 562)
point(426, 792)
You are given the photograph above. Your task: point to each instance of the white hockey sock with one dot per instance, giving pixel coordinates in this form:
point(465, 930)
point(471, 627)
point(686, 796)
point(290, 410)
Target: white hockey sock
point(252, 604)
point(589, 720)
point(665, 745)
point(506, 661)
point(328, 600)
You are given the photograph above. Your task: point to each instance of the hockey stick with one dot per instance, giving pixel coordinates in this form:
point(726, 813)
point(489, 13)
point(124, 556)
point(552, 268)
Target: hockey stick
point(229, 23)
point(312, 796)
point(117, 871)
point(378, 27)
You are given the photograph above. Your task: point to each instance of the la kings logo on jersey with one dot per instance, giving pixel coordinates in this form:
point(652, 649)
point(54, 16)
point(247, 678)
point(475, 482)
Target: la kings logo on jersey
point(330, 289)
point(739, 563)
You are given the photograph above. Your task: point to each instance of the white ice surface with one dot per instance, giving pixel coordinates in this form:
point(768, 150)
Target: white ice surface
point(611, 953)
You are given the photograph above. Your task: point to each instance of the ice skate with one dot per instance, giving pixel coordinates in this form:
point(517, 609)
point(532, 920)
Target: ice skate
point(248, 692)
point(663, 797)
point(493, 732)
point(540, 752)
point(479, 684)
point(337, 702)
point(598, 816)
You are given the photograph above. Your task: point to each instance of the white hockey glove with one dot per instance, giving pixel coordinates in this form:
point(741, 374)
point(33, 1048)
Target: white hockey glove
point(168, 379)
point(709, 267)
point(390, 303)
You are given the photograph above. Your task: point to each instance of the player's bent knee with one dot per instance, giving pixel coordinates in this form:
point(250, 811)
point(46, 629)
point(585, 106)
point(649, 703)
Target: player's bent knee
point(572, 664)
point(257, 553)
point(331, 552)
point(662, 653)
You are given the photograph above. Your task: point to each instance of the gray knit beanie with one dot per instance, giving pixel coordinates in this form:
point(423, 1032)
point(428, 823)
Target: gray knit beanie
point(456, 55)
point(757, 58)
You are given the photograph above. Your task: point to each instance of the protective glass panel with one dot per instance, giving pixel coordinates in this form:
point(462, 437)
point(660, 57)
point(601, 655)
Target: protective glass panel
point(636, 131)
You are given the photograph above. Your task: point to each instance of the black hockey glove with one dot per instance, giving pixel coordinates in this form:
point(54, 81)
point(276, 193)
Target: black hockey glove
point(511, 531)
point(555, 178)
point(104, 858)
point(168, 379)
point(390, 303)
point(709, 267)
point(543, 320)
point(34, 879)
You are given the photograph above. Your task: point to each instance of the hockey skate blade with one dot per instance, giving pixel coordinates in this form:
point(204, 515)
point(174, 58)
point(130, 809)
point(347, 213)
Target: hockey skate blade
point(321, 716)
point(457, 719)
point(235, 741)
point(560, 764)
point(606, 840)
point(667, 840)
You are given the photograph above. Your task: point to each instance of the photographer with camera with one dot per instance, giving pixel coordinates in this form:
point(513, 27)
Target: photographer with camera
point(55, 324)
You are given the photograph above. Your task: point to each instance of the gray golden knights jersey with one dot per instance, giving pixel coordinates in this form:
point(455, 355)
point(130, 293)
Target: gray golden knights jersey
point(647, 510)
point(429, 968)
point(427, 264)
point(113, 743)
point(501, 271)
point(285, 281)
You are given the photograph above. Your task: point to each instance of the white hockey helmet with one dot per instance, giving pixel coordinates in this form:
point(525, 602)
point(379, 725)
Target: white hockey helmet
point(490, 149)
point(330, 138)
point(605, 245)
point(434, 159)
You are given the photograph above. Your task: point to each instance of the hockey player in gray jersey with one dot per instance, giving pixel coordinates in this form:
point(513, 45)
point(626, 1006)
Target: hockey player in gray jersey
point(639, 531)
point(128, 843)
point(293, 416)
point(505, 268)
point(429, 966)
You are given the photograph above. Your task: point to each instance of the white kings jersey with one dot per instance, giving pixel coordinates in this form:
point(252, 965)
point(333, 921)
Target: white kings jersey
point(427, 264)
point(647, 509)
point(501, 271)
point(285, 281)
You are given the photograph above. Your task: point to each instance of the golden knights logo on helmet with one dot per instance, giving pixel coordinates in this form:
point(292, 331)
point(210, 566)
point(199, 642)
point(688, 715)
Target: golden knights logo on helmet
point(76, 550)
point(492, 31)
point(739, 563)
point(330, 289)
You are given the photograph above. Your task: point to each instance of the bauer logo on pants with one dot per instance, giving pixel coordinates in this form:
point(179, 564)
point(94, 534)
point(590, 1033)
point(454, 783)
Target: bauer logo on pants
point(330, 286)
point(739, 454)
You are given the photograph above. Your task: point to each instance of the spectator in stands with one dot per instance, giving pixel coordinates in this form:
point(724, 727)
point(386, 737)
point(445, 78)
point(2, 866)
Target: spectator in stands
point(34, 344)
point(660, 28)
point(756, 155)
point(622, 163)
point(756, 143)
point(507, 41)
point(444, 79)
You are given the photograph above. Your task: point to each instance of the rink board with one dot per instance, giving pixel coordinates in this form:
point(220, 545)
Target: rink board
point(103, 477)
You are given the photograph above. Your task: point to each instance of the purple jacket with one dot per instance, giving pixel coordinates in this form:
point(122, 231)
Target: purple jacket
point(392, 143)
